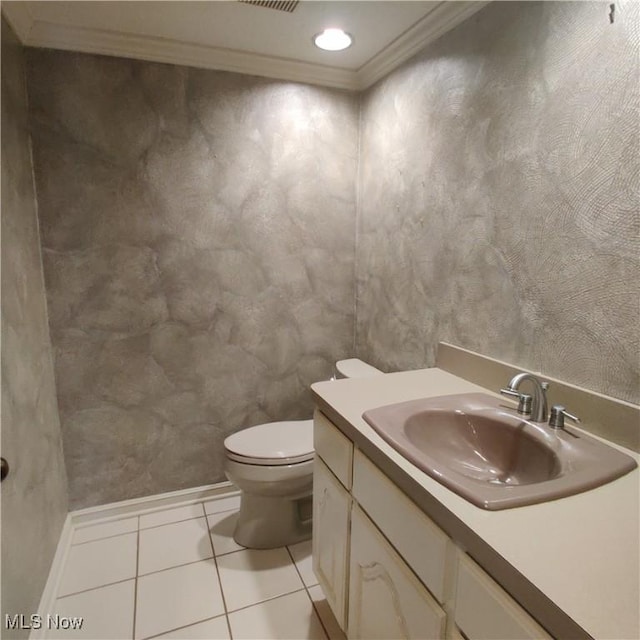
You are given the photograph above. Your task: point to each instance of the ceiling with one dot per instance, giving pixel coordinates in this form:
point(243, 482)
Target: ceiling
point(237, 36)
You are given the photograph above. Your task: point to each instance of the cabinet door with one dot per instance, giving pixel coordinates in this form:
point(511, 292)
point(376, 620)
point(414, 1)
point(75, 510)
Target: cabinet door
point(331, 505)
point(386, 600)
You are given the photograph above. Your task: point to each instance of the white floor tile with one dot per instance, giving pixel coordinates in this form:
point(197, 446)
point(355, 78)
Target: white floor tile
point(173, 544)
point(287, 617)
point(232, 503)
point(251, 576)
point(177, 597)
point(214, 629)
point(171, 515)
point(326, 615)
point(106, 612)
point(98, 563)
point(105, 530)
point(301, 553)
point(221, 526)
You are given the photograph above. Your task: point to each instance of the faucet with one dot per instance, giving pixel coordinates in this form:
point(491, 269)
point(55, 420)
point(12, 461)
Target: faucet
point(538, 406)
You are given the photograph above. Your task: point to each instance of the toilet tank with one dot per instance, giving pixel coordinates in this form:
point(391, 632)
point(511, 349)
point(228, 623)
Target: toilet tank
point(355, 368)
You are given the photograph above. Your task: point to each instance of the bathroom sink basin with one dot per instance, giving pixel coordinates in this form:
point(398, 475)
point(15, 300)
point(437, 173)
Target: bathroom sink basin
point(480, 448)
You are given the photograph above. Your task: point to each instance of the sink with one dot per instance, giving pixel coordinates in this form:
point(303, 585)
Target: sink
point(480, 448)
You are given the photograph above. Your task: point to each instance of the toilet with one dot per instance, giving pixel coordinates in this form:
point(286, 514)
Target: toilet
point(272, 465)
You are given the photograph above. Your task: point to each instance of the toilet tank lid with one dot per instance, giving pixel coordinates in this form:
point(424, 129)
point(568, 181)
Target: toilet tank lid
point(273, 440)
point(356, 368)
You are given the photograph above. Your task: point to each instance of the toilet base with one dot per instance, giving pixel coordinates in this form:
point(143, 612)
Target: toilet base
point(268, 522)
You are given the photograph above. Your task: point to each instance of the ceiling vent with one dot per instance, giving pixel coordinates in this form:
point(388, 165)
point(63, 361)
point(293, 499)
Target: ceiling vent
point(279, 5)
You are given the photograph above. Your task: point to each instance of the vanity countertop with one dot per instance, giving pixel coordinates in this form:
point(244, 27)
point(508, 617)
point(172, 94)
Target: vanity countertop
point(572, 562)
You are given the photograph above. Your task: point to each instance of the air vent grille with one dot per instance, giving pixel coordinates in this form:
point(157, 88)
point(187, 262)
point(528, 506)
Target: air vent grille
point(279, 5)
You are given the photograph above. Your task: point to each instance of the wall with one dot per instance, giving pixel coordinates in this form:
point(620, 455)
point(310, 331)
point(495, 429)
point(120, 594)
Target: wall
point(198, 241)
point(198, 236)
point(499, 188)
point(34, 494)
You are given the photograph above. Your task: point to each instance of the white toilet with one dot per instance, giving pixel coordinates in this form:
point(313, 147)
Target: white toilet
point(272, 465)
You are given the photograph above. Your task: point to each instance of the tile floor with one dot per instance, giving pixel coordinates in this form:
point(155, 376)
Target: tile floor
point(178, 573)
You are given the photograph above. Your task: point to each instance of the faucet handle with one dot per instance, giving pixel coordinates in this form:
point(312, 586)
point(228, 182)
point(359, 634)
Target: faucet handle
point(557, 416)
point(524, 400)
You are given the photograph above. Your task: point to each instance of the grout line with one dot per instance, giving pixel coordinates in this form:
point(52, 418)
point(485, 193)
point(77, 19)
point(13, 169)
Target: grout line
point(135, 587)
point(115, 535)
point(215, 513)
point(175, 566)
point(296, 566)
point(229, 626)
point(280, 595)
point(101, 586)
point(228, 553)
point(271, 597)
point(306, 588)
point(164, 524)
point(224, 601)
point(317, 611)
point(185, 626)
point(293, 560)
point(209, 525)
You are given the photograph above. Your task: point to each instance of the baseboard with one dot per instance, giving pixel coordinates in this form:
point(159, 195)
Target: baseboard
point(47, 600)
point(116, 511)
point(149, 504)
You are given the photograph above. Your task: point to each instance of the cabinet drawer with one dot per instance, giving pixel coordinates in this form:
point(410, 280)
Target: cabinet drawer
point(484, 610)
point(422, 544)
point(386, 600)
point(333, 447)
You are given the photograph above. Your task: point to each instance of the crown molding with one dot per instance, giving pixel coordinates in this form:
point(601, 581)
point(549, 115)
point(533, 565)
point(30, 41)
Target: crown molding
point(38, 33)
point(57, 36)
point(444, 17)
point(19, 17)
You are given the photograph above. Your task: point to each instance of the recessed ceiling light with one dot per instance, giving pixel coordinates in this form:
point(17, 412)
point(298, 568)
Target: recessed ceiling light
point(332, 40)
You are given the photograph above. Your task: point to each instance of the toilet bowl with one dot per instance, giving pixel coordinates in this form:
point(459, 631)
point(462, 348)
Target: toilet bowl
point(272, 465)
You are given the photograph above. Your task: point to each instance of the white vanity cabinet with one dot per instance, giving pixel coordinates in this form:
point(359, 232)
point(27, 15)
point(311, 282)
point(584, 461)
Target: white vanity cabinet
point(386, 569)
point(386, 599)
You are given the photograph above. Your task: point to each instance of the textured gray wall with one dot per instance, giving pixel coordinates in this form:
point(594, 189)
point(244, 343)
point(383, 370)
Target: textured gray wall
point(198, 235)
point(34, 494)
point(198, 231)
point(499, 188)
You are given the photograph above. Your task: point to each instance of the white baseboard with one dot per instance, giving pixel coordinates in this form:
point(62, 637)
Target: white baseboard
point(116, 511)
point(148, 504)
point(48, 598)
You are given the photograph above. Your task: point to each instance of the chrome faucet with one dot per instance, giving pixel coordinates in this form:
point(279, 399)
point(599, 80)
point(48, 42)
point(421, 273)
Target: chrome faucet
point(538, 405)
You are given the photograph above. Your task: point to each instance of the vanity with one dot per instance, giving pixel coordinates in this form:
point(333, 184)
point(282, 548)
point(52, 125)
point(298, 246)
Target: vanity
point(399, 555)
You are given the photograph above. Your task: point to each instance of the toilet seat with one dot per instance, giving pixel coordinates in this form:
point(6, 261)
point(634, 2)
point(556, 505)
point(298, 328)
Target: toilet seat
point(272, 444)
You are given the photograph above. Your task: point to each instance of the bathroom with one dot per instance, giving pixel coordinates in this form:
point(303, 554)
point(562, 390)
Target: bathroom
point(185, 251)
